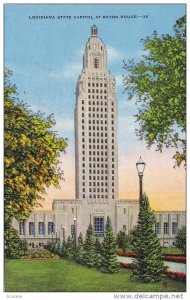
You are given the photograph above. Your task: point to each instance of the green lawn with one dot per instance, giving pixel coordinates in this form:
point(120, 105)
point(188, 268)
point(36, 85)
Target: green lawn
point(171, 251)
point(66, 276)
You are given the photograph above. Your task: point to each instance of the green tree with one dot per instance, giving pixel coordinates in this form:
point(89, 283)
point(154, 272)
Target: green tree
point(89, 248)
point(122, 240)
point(158, 84)
point(12, 243)
point(149, 265)
point(109, 262)
point(79, 249)
point(98, 252)
point(69, 249)
point(31, 151)
point(180, 240)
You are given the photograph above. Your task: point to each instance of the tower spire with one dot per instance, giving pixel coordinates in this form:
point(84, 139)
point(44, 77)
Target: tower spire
point(94, 30)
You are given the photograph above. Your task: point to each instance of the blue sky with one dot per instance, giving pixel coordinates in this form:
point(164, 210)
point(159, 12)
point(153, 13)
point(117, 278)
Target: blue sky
point(45, 56)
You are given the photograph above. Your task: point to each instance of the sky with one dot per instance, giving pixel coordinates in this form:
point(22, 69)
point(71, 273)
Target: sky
point(45, 56)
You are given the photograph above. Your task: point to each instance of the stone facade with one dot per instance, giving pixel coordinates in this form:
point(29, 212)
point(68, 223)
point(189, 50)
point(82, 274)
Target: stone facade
point(64, 212)
point(96, 160)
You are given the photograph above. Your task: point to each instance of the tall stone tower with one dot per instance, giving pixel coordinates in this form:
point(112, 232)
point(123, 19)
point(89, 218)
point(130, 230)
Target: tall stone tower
point(96, 130)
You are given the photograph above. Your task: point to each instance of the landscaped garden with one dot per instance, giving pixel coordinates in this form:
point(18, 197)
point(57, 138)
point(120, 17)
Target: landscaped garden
point(62, 275)
point(93, 266)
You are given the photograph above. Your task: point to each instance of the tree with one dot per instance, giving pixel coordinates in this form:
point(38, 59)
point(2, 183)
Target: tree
point(69, 249)
point(122, 240)
point(31, 151)
point(12, 243)
point(149, 265)
point(79, 249)
point(158, 84)
point(180, 240)
point(98, 252)
point(89, 248)
point(109, 262)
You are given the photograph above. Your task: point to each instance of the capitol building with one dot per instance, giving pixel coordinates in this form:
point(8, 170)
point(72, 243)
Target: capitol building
point(96, 163)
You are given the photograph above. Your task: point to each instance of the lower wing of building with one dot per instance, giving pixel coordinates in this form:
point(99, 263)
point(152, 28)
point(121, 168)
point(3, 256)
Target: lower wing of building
point(70, 217)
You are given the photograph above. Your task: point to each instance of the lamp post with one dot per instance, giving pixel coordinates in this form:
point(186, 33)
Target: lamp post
point(140, 165)
point(63, 228)
point(75, 241)
point(56, 236)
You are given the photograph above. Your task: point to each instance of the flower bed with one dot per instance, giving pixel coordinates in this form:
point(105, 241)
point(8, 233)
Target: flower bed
point(126, 265)
point(127, 254)
point(176, 275)
point(174, 258)
point(180, 276)
point(40, 256)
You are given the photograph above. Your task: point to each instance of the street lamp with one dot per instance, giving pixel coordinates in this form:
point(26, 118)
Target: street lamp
point(75, 241)
point(140, 168)
point(63, 227)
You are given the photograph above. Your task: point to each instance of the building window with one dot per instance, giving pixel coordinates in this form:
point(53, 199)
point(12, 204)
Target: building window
point(96, 63)
point(157, 228)
point(41, 228)
point(124, 228)
point(99, 226)
point(51, 227)
point(174, 228)
point(22, 228)
point(31, 228)
point(166, 228)
point(124, 210)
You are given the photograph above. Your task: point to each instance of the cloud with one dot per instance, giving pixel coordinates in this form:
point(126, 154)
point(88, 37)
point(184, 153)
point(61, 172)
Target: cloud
point(64, 124)
point(69, 71)
point(128, 123)
point(140, 53)
point(119, 80)
point(114, 54)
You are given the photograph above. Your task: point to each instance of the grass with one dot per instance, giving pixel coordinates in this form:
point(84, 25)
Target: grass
point(171, 251)
point(65, 276)
point(164, 250)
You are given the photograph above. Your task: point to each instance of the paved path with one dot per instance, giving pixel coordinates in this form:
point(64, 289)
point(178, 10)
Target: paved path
point(173, 266)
